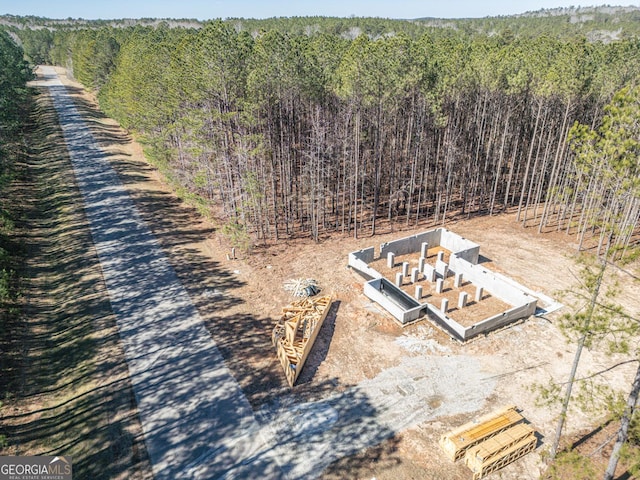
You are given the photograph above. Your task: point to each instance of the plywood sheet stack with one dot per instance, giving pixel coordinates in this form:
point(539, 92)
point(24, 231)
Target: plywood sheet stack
point(296, 331)
point(490, 442)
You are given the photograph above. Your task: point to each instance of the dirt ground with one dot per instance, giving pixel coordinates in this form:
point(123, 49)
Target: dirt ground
point(240, 299)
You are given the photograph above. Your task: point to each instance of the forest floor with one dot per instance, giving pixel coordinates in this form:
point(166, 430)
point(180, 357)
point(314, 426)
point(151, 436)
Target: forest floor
point(361, 347)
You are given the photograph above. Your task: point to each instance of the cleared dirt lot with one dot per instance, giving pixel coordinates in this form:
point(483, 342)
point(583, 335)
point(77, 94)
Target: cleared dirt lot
point(360, 346)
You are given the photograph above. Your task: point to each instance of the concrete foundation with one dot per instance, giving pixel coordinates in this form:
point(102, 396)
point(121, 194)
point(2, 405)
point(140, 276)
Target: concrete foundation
point(394, 300)
point(463, 262)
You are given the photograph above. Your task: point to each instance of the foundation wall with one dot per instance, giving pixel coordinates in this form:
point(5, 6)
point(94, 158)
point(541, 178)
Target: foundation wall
point(360, 261)
point(411, 244)
point(501, 319)
point(462, 247)
point(479, 275)
point(450, 325)
point(404, 308)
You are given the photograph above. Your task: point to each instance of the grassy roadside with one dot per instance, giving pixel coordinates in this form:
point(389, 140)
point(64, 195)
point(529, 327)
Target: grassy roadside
point(67, 391)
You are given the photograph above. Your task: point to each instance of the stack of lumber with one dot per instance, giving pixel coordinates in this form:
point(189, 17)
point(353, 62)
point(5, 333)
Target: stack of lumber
point(500, 450)
point(490, 442)
point(296, 331)
point(456, 442)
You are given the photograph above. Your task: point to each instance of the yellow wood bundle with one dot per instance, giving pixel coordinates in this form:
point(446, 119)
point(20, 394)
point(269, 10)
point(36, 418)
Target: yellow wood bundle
point(296, 331)
point(457, 441)
point(506, 456)
point(495, 447)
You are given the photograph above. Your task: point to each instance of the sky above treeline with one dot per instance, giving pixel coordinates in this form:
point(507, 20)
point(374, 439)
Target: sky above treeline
point(212, 9)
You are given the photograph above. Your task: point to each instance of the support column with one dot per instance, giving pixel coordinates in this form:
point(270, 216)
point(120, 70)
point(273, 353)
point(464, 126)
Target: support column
point(457, 282)
point(445, 305)
point(418, 292)
point(479, 293)
point(391, 259)
point(439, 285)
point(430, 273)
point(399, 279)
point(421, 263)
point(462, 300)
point(405, 269)
point(441, 256)
point(415, 275)
point(424, 249)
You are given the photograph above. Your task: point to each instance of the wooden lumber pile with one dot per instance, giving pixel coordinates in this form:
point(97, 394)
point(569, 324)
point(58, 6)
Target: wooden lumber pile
point(456, 442)
point(490, 442)
point(501, 450)
point(296, 331)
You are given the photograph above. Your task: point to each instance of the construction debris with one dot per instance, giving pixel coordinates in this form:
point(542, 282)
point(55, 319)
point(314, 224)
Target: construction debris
point(490, 442)
point(296, 331)
point(302, 287)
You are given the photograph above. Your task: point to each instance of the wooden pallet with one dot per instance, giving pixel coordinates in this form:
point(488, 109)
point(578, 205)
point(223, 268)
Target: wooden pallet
point(456, 442)
point(500, 450)
point(296, 331)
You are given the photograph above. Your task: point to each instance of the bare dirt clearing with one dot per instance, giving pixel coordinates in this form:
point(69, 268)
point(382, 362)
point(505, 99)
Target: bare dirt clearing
point(359, 345)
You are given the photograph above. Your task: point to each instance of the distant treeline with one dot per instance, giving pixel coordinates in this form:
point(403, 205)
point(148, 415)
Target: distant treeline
point(14, 97)
point(308, 132)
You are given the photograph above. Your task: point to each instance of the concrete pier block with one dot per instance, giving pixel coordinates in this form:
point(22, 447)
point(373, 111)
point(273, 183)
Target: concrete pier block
point(424, 249)
point(445, 305)
point(442, 269)
point(457, 282)
point(391, 259)
point(399, 279)
point(441, 256)
point(405, 269)
point(462, 300)
point(429, 273)
point(439, 285)
point(421, 263)
point(415, 275)
point(479, 293)
point(418, 292)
